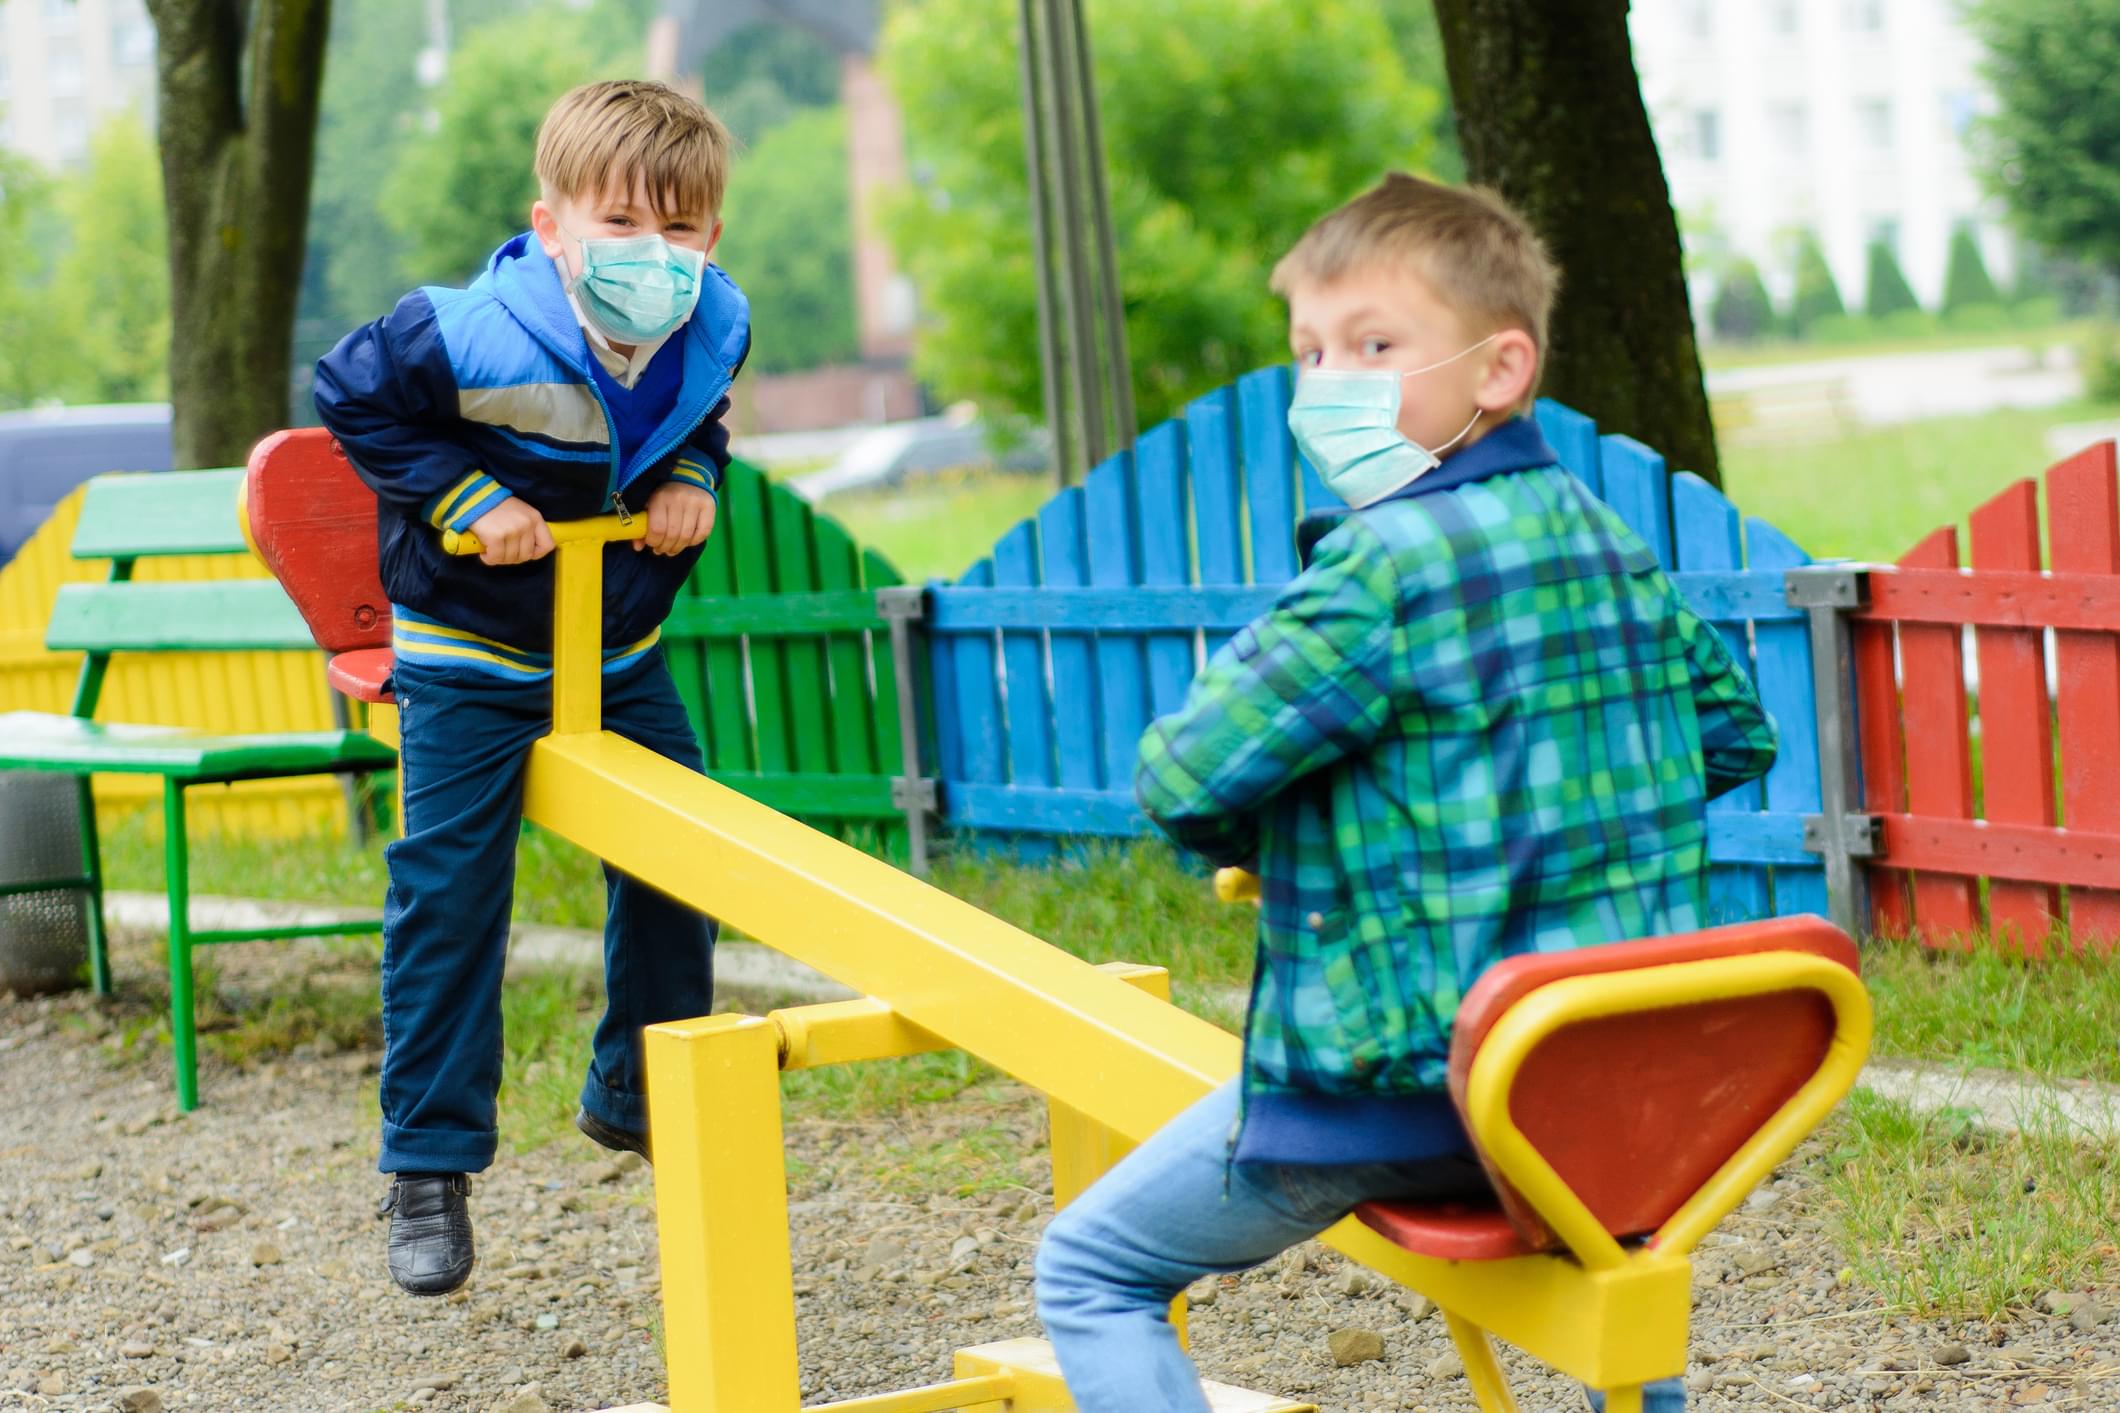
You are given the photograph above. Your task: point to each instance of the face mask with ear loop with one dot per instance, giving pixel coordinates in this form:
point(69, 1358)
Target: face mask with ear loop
point(1347, 424)
point(635, 289)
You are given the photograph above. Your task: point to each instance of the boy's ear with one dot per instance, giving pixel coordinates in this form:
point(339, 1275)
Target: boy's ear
point(714, 236)
point(544, 224)
point(1512, 369)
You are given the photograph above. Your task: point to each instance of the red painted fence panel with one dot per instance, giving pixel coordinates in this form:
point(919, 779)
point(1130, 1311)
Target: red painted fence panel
point(1914, 721)
point(2085, 539)
point(2016, 732)
point(1939, 760)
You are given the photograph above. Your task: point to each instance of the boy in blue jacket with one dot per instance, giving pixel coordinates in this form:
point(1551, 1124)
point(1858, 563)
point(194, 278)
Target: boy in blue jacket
point(585, 372)
point(1481, 722)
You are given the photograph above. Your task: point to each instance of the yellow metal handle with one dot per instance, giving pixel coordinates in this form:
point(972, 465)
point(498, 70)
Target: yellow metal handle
point(1236, 885)
point(605, 528)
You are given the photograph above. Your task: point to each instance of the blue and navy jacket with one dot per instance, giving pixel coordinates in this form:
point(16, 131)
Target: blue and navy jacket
point(460, 398)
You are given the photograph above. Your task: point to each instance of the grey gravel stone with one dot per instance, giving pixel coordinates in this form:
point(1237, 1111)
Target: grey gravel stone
point(295, 1139)
point(139, 1399)
point(1354, 1346)
point(1949, 1355)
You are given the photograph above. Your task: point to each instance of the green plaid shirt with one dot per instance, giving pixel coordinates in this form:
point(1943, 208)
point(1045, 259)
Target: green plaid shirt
point(1481, 722)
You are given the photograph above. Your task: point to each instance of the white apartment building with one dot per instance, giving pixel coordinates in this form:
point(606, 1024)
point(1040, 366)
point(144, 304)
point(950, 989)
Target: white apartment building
point(65, 67)
point(1845, 117)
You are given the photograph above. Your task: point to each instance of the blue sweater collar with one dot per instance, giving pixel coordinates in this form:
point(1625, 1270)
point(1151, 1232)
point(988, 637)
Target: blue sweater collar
point(1516, 445)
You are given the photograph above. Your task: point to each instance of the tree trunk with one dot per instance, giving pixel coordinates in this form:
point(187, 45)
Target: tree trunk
point(1550, 114)
point(239, 83)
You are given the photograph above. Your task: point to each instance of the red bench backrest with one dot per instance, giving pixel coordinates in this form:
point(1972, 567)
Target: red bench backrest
point(1637, 1112)
point(312, 522)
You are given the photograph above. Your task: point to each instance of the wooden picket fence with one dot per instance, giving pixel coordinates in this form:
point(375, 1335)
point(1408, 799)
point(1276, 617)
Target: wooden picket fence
point(1999, 806)
point(1050, 657)
point(784, 663)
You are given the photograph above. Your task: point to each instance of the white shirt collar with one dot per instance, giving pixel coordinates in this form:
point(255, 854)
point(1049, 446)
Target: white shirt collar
point(623, 370)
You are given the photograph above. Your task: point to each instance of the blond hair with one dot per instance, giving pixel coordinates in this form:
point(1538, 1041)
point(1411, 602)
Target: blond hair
point(603, 136)
point(1470, 246)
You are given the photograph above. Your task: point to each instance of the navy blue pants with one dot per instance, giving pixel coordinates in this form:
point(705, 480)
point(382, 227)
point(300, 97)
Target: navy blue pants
point(466, 740)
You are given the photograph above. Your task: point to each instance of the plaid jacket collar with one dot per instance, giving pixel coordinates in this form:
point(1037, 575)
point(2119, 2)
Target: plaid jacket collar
point(1516, 445)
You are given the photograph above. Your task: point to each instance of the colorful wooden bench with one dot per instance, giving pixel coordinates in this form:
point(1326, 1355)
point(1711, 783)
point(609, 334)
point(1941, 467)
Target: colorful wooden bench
point(127, 518)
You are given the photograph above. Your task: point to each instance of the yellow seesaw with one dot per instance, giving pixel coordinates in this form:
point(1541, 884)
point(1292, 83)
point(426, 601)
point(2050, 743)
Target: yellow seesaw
point(1749, 1035)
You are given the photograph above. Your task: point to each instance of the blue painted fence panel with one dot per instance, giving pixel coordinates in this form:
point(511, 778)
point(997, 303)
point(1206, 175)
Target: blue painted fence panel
point(1050, 659)
point(1709, 535)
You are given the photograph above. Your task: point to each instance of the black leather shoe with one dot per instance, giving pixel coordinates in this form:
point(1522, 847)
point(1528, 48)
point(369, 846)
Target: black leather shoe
point(618, 1140)
point(430, 1231)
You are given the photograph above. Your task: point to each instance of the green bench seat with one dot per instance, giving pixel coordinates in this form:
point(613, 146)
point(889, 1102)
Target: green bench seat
point(35, 740)
point(126, 518)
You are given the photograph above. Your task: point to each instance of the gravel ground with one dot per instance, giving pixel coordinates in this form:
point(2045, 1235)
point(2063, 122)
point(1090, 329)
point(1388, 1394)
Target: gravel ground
point(230, 1260)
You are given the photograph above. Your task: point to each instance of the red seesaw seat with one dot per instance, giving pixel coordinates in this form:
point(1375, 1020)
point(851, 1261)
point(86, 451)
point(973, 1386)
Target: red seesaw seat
point(312, 522)
point(1635, 1110)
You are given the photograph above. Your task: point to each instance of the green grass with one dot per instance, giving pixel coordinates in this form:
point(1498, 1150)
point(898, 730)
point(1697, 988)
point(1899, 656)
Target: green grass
point(2057, 1016)
point(1942, 1218)
point(1873, 493)
point(939, 526)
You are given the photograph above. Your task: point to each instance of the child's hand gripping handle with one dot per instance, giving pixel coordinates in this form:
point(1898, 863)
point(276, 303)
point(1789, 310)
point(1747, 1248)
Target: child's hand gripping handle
point(564, 532)
point(1236, 885)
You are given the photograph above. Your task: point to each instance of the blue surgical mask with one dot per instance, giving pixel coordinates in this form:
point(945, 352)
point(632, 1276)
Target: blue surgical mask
point(1347, 424)
point(635, 289)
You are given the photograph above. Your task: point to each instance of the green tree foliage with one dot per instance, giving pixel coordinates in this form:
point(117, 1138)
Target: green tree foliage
point(787, 239)
point(1816, 296)
point(1966, 282)
point(466, 186)
point(28, 232)
point(84, 294)
point(1229, 125)
point(1742, 311)
point(765, 74)
point(1886, 289)
point(2048, 151)
point(112, 282)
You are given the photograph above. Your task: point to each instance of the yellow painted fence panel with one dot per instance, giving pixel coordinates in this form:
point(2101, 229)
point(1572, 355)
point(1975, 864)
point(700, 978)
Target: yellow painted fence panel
point(282, 691)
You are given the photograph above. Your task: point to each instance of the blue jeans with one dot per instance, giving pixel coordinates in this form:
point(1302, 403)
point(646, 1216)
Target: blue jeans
point(1112, 1261)
point(466, 740)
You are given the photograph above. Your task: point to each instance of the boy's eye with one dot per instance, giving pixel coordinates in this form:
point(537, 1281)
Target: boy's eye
point(1371, 348)
point(1307, 358)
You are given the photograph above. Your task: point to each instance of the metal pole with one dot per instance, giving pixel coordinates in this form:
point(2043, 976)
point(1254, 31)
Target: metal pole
point(912, 792)
point(1840, 833)
point(1049, 370)
point(1077, 312)
point(1118, 367)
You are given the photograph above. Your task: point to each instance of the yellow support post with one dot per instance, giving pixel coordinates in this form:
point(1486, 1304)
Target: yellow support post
point(1482, 1370)
point(721, 1209)
point(578, 616)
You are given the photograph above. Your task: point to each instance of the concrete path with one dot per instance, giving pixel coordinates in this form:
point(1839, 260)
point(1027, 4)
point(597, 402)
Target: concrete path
point(738, 966)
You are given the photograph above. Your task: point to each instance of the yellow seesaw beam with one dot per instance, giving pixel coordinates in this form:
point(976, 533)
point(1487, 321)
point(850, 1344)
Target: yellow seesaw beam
point(1089, 1040)
point(1085, 1037)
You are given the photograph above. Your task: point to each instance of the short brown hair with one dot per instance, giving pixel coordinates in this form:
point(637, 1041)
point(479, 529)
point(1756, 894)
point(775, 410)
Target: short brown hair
point(1479, 255)
point(601, 134)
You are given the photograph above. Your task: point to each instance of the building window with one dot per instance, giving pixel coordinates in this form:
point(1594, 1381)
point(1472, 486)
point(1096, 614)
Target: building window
point(1707, 135)
point(1784, 17)
point(1700, 18)
point(1791, 127)
point(1873, 119)
point(70, 131)
point(61, 16)
point(135, 42)
point(1958, 111)
point(1866, 16)
point(62, 71)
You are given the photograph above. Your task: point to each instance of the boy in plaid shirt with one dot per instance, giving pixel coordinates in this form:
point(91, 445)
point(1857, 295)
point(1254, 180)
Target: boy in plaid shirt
point(1481, 722)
